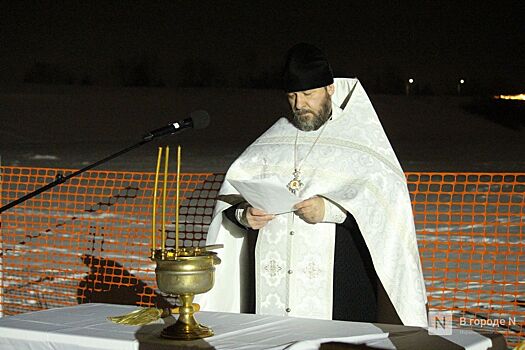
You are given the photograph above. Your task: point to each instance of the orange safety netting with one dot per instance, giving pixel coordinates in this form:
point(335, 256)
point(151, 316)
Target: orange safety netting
point(89, 240)
point(471, 237)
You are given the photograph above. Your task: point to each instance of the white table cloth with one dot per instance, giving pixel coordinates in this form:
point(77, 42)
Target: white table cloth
point(85, 327)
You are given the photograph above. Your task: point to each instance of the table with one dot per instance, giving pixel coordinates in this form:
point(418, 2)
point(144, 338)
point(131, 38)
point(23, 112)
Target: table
point(85, 327)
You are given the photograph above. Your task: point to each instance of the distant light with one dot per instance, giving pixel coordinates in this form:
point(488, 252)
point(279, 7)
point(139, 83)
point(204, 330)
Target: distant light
point(462, 81)
point(519, 97)
point(411, 81)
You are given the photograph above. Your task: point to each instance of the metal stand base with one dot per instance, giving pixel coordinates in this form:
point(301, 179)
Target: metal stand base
point(181, 331)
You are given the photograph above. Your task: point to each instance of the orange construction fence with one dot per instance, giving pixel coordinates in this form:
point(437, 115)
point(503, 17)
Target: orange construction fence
point(89, 240)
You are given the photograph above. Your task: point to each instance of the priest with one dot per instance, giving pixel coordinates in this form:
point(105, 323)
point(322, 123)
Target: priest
point(348, 251)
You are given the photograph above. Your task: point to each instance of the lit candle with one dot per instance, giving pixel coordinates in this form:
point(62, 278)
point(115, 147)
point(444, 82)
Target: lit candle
point(154, 211)
point(164, 198)
point(177, 201)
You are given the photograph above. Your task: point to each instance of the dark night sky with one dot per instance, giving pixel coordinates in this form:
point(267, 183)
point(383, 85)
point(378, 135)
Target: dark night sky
point(435, 42)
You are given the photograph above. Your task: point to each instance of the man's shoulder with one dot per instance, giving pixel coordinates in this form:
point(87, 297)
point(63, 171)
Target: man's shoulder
point(281, 127)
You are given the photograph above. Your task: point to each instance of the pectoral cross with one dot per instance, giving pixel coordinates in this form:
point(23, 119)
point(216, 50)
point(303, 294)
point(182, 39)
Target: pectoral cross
point(295, 184)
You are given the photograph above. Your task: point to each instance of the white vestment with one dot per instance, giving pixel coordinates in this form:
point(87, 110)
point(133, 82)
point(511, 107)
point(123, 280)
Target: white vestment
point(353, 165)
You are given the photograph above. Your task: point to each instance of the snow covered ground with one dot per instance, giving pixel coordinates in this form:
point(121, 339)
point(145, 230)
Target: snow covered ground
point(72, 126)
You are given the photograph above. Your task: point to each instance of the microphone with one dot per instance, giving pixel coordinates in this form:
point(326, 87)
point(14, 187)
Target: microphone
point(197, 120)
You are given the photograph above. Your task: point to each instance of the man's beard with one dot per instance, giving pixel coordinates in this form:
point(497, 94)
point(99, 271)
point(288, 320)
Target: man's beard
point(303, 120)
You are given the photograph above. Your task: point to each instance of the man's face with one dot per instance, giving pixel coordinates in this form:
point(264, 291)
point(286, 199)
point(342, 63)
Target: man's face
point(311, 108)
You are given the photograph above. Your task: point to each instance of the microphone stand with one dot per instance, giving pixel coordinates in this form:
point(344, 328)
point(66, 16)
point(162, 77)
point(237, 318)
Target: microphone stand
point(60, 179)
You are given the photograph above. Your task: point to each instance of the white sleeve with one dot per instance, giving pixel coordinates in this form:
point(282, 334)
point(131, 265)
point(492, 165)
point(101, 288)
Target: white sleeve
point(333, 213)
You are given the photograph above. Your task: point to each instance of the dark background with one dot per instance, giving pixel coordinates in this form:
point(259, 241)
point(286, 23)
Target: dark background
point(242, 43)
point(80, 80)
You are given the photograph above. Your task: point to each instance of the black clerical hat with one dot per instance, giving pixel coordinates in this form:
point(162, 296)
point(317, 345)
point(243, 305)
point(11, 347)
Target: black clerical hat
point(306, 68)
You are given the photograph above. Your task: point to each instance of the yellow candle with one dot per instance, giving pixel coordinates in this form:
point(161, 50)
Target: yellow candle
point(177, 200)
point(164, 198)
point(154, 210)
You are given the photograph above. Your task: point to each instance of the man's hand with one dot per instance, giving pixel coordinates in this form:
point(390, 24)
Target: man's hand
point(311, 210)
point(257, 218)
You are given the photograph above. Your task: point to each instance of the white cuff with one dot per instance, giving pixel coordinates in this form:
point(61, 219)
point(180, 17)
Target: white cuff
point(239, 214)
point(333, 213)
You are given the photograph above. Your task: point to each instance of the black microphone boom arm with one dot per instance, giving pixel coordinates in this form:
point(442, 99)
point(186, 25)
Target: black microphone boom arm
point(198, 120)
point(61, 179)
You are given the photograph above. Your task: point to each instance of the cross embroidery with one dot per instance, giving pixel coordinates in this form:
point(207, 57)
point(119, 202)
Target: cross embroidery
point(312, 270)
point(272, 268)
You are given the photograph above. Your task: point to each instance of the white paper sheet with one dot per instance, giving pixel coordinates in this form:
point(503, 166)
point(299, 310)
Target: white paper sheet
point(268, 194)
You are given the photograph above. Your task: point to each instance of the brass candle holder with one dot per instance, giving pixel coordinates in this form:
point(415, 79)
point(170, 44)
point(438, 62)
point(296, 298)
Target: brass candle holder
point(181, 272)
